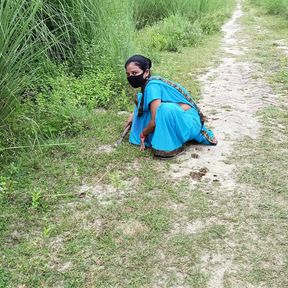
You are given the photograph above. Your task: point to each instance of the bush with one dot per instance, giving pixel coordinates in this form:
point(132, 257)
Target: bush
point(62, 110)
point(211, 23)
point(170, 34)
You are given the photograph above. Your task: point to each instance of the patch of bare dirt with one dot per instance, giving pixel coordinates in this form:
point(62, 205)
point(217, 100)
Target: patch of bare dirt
point(282, 46)
point(133, 228)
point(197, 175)
point(216, 265)
point(189, 227)
point(99, 191)
point(106, 149)
point(184, 226)
point(105, 193)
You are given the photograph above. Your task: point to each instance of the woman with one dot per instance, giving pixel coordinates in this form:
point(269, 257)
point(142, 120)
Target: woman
point(165, 116)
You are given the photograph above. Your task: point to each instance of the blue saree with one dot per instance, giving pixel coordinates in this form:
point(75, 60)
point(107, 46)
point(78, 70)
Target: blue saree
point(174, 126)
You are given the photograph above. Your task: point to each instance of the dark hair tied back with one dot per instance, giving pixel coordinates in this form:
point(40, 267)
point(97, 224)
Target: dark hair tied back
point(142, 62)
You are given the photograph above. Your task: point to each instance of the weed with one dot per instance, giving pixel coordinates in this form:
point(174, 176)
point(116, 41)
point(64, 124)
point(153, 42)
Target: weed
point(36, 197)
point(116, 181)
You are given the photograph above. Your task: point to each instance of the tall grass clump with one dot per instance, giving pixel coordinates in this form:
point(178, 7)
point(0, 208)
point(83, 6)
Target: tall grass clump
point(148, 12)
point(104, 32)
point(83, 32)
point(183, 23)
point(47, 45)
point(274, 6)
point(23, 40)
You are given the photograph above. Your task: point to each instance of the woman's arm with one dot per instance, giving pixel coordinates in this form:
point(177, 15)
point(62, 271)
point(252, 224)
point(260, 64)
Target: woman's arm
point(151, 125)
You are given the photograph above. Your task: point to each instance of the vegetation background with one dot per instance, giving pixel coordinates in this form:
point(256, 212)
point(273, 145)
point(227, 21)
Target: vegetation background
point(61, 59)
point(61, 62)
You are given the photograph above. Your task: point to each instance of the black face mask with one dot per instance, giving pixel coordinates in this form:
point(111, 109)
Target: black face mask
point(136, 81)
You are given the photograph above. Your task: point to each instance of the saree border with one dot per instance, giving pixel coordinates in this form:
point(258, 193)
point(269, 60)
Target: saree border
point(169, 154)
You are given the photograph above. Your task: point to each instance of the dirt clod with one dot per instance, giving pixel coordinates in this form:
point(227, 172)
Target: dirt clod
point(195, 156)
point(197, 175)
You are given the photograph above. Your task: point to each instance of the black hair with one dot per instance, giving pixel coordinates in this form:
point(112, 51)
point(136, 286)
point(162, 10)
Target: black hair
point(142, 62)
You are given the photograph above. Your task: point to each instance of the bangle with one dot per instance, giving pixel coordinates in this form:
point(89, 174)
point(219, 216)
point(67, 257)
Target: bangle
point(142, 136)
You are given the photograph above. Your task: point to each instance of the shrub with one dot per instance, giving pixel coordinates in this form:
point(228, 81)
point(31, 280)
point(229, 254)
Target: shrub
point(62, 110)
point(170, 34)
point(211, 23)
point(149, 12)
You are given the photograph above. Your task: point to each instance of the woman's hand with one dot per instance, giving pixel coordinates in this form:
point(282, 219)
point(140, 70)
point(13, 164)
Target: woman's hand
point(142, 144)
point(129, 121)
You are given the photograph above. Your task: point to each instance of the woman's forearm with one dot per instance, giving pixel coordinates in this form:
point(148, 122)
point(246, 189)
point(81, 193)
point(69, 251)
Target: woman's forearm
point(149, 128)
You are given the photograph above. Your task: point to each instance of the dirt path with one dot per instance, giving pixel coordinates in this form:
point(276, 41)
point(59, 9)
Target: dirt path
point(231, 97)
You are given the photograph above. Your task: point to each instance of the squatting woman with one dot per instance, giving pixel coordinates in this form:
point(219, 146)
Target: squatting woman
point(165, 116)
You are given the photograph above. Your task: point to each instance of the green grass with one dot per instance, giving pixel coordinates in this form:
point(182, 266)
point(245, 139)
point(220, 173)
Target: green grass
point(185, 67)
point(151, 11)
point(54, 234)
point(259, 162)
point(273, 6)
